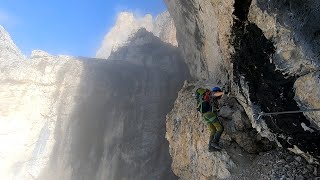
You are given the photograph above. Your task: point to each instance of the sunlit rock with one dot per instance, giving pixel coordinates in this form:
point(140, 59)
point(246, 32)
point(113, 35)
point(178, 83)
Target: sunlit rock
point(9, 52)
point(127, 24)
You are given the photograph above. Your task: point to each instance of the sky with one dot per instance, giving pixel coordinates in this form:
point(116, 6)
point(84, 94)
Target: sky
point(70, 27)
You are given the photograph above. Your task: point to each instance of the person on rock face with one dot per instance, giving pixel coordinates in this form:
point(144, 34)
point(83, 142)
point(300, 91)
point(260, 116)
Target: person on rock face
point(208, 105)
point(216, 128)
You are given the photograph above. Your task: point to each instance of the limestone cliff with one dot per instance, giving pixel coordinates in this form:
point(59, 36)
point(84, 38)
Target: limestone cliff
point(79, 118)
point(266, 55)
point(35, 95)
point(9, 52)
point(128, 24)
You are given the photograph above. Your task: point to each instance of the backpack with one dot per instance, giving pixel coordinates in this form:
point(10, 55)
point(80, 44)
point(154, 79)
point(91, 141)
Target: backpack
point(203, 97)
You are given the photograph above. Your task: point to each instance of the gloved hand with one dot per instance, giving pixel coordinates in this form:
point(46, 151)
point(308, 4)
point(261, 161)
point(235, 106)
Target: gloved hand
point(226, 89)
point(223, 89)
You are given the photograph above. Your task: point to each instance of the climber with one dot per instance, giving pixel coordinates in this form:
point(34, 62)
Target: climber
point(208, 105)
point(215, 126)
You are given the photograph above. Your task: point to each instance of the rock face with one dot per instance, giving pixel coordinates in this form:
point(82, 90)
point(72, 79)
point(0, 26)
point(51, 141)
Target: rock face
point(245, 154)
point(270, 87)
point(188, 142)
point(203, 32)
point(163, 27)
point(294, 29)
point(308, 96)
point(35, 95)
point(9, 52)
point(128, 24)
point(75, 118)
point(266, 55)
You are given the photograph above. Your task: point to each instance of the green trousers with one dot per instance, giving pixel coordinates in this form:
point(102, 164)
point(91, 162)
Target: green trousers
point(216, 128)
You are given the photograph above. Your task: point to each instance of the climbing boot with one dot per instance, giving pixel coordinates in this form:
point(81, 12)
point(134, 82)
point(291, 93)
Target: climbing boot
point(211, 148)
point(215, 146)
point(216, 137)
point(212, 145)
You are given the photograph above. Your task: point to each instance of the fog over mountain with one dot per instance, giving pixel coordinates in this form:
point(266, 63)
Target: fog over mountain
point(65, 117)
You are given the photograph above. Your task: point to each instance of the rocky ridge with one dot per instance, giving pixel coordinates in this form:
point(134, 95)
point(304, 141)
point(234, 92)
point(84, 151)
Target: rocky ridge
point(8, 50)
point(128, 24)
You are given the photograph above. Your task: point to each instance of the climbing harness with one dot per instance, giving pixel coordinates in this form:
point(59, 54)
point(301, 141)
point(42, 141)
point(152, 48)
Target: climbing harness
point(284, 112)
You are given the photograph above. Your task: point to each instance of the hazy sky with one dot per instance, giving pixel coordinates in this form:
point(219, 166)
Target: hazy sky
point(72, 27)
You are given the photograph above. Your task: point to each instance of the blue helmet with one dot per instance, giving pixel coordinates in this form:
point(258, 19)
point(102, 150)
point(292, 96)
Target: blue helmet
point(215, 89)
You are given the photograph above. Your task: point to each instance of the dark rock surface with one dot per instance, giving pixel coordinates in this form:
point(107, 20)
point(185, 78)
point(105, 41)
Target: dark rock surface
point(269, 88)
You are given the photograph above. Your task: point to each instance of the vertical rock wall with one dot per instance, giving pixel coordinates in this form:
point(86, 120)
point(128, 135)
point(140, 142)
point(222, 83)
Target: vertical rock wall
point(35, 95)
point(266, 54)
point(203, 32)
